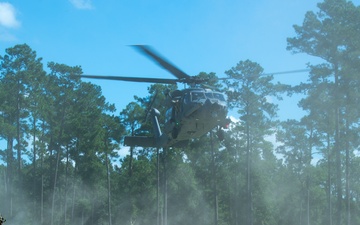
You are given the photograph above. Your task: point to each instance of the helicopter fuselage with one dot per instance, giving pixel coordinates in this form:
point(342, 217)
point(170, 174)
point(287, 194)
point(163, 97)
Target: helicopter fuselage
point(193, 114)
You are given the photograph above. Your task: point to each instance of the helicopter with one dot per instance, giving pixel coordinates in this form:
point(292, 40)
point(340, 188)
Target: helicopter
point(192, 112)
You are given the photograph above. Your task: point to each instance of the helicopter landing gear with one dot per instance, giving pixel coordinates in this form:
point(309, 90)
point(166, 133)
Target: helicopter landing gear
point(175, 132)
point(220, 134)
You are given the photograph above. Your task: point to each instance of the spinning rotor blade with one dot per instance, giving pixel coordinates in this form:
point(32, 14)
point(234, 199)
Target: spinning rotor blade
point(267, 74)
point(162, 62)
point(285, 72)
point(133, 79)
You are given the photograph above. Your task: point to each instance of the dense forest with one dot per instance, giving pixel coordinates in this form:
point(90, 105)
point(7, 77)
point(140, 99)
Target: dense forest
point(61, 139)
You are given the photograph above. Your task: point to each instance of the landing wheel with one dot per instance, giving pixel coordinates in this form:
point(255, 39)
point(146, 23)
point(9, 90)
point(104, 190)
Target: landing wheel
point(221, 134)
point(175, 132)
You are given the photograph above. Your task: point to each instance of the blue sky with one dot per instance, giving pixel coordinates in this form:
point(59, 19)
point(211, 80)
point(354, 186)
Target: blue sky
point(196, 35)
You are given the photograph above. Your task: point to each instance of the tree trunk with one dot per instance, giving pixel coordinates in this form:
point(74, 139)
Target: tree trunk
point(248, 174)
point(42, 177)
point(35, 210)
point(213, 170)
point(347, 177)
point(329, 181)
point(338, 149)
point(73, 201)
point(18, 133)
point(158, 186)
point(54, 186)
point(9, 175)
point(66, 184)
point(165, 180)
point(58, 150)
point(108, 187)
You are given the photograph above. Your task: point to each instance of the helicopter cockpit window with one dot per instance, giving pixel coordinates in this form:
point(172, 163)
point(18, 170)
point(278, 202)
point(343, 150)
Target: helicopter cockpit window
point(215, 95)
point(186, 98)
point(197, 95)
point(209, 95)
point(219, 96)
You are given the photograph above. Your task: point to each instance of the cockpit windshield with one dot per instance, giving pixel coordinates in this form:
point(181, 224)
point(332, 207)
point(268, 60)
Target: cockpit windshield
point(200, 95)
point(219, 96)
point(197, 95)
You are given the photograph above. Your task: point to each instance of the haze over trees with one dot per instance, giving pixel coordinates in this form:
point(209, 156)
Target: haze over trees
point(60, 139)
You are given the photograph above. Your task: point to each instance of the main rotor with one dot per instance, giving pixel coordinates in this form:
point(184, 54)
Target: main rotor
point(181, 77)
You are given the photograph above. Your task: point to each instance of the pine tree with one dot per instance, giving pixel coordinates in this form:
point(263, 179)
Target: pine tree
point(331, 35)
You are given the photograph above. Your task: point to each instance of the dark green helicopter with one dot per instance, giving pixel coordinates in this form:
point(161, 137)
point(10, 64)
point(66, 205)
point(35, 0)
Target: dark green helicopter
point(192, 112)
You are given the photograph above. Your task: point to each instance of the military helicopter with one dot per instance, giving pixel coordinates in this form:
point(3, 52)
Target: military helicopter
point(192, 112)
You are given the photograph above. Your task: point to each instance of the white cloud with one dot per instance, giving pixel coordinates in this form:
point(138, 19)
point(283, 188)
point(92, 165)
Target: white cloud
point(8, 15)
point(82, 4)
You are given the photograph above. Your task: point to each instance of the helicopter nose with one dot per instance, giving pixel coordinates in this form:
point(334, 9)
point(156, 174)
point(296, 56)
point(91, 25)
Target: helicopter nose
point(207, 102)
point(215, 105)
point(215, 109)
